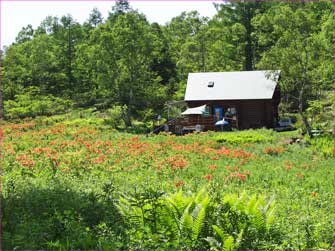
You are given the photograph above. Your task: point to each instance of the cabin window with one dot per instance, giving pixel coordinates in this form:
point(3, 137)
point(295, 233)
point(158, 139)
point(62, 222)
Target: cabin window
point(231, 114)
point(210, 84)
point(231, 111)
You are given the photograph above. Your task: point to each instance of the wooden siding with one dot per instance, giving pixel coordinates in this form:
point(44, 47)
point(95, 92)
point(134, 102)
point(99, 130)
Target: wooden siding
point(250, 113)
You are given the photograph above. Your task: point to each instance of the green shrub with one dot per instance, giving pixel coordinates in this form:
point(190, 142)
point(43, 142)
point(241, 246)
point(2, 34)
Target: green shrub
point(321, 112)
point(32, 103)
point(245, 223)
point(197, 221)
point(249, 136)
point(323, 144)
point(114, 117)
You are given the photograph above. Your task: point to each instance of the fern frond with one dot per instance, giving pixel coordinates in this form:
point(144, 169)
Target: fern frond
point(270, 218)
point(228, 243)
point(220, 232)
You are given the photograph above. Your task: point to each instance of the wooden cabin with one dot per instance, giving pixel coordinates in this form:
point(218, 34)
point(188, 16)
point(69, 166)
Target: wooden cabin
point(246, 99)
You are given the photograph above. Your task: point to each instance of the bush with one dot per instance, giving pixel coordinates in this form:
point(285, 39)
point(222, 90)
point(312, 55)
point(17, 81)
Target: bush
point(197, 221)
point(249, 136)
point(323, 144)
point(32, 103)
point(114, 117)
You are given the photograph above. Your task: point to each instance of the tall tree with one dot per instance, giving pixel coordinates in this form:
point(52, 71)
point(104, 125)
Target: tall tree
point(95, 18)
point(121, 7)
point(187, 45)
point(67, 37)
point(125, 49)
point(25, 34)
point(16, 69)
point(162, 63)
point(47, 71)
point(50, 25)
point(237, 16)
point(297, 51)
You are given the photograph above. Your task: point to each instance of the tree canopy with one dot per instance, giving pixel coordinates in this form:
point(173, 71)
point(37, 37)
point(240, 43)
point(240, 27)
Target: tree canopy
point(127, 61)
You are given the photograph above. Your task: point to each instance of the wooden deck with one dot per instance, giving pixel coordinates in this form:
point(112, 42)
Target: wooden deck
point(189, 123)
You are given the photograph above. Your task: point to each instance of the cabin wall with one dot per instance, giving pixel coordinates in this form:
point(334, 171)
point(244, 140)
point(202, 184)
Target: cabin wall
point(250, 113)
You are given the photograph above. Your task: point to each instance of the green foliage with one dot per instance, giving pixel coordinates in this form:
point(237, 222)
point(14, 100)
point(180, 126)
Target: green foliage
point(246, 223)
point(321, 112)
point(57, 187)
point(125, 60)
point(297, 46)
point(32, 103)
point(323, 145)
point(114, 117)
point(248, 136)
point(72, 182)
point(184, 219)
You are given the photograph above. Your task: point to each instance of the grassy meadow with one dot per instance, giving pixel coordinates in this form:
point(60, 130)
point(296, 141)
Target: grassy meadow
point(73, 182)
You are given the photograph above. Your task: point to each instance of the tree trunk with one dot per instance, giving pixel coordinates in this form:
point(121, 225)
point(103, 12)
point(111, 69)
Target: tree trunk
point(301, 112)
point(129, 109)
point(128, 117)
point(248, 48)
point(203, 55)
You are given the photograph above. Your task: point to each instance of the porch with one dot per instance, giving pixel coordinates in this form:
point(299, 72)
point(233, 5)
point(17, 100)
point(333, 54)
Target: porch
point(197, 122)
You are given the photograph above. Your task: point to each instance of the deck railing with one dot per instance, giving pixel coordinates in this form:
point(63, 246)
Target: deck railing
point(177, 125)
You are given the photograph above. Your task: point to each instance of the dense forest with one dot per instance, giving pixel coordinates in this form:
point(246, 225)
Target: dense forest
point(133, 67)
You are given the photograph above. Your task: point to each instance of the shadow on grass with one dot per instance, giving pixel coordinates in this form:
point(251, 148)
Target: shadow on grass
point(60, 218)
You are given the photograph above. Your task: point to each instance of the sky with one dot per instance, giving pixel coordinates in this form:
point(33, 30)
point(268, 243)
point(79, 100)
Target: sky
point(18, 14)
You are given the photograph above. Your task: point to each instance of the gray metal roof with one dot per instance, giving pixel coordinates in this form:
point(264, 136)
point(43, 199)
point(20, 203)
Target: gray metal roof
point(231, 85)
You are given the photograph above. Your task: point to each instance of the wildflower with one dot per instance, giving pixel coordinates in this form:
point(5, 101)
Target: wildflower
point(208, 177)
point(99, 159)
point(314, 194)
point(242, 162)
point(178, 147)
point(288, 165)
point(207, 150)
point(239, 176)
point(177, 162)
point(179, 184)
point(228, 167)
point(212, 167)
point(274, 150)
point(224, 151)
point(234, 153)
point(25, 161)
point(134, 139)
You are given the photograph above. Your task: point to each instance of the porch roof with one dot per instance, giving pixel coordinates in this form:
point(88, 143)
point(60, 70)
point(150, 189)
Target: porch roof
point(196, 110)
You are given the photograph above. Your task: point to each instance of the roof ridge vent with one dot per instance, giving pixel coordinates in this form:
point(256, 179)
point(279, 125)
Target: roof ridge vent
point(210, 84)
